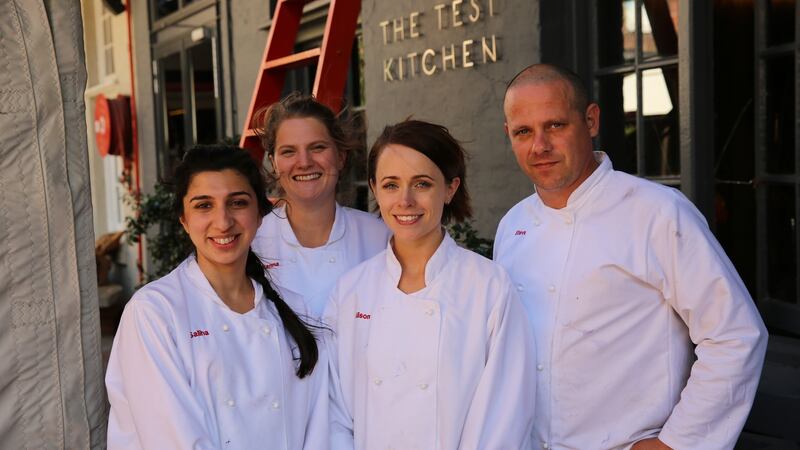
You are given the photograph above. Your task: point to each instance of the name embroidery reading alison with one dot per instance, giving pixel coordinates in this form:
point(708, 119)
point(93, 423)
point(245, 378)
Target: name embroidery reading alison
point(360, 315)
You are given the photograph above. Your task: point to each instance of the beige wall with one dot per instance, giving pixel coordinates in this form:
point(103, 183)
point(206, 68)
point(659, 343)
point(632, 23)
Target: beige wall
point(467, 100)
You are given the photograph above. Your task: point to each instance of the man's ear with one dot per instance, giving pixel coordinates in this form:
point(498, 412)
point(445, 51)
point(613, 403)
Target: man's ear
point(593, 119)
point(505, 128)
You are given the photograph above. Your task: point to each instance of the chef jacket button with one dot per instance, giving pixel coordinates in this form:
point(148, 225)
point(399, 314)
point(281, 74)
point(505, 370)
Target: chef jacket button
point(267, 330)
point(275, 405)
point(429, 311)
point(551, 288)
point(568, 220)
point(545, 445)
point(539, 367)
point(231, 403)
point(225, 327)
point(423, 386)
point(537, 222)
point(332, 260)
point(377, 381)
point(520, 288)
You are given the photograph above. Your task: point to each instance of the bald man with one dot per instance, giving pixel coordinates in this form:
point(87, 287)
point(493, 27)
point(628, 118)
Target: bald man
point(646, 336)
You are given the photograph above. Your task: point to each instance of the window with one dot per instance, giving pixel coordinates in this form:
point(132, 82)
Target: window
point(776, 165)
point(636, 80)
point(115, 193)
point(105, 45)
point(176, 9)
point(187, 98)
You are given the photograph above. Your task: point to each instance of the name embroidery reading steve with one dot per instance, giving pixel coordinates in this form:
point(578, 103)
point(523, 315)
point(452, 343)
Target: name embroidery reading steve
point(197, 333)
point(360, 315)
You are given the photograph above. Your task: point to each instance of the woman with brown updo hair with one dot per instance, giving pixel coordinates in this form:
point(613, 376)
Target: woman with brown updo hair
point(309, 239)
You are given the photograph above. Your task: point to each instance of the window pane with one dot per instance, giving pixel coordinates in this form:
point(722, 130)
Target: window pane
point(165, 7)
point(779, 127)
point(660, 120)
point(780, 21)
point(299, 79)
point(172, 89)
point(354, 87)
point(108, 58)
point(782, 243)
point(107, 36)
point(734, 213)
point(616, 27)
point(618, 120)
point(205, 101)
point(659, 28)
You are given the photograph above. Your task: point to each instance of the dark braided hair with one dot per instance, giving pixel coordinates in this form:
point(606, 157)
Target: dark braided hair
point(216, 158)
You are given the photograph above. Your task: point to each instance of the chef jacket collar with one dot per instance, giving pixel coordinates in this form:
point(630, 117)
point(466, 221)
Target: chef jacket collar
point(433, 268)
point(200, 282)
point(581, 195)
point(287, 233)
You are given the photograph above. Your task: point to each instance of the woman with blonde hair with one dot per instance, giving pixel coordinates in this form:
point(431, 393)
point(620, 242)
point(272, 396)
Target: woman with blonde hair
point(310, 240)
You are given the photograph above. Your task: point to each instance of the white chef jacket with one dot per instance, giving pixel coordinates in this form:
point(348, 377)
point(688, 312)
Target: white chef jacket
point(450, 366)
point(620, 286)
point(187, 372)
point(312, 272)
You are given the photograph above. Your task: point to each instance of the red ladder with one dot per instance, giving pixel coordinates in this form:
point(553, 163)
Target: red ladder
point(332, 58)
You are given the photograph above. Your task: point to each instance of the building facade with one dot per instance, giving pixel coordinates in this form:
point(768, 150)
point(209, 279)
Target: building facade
point(700, 96)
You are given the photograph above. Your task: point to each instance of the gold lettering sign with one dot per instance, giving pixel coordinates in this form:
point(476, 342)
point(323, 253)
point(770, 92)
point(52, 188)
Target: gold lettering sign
point(466, 54)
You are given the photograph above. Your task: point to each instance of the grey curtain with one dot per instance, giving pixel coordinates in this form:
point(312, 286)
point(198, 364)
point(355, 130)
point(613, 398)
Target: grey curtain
point(51, 390)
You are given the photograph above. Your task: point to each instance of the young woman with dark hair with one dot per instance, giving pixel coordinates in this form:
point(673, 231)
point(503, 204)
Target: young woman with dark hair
point(431, 347)
point(212, 355)
point(310, 240)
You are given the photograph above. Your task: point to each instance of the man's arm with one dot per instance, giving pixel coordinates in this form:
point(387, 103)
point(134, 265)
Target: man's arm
point(700, 283)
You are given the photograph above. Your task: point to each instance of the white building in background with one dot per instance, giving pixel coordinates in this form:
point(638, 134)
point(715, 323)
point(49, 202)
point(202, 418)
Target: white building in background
point(108, 66)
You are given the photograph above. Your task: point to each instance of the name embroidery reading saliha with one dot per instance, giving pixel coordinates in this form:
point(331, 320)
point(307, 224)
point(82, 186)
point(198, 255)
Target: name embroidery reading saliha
point(197, 333)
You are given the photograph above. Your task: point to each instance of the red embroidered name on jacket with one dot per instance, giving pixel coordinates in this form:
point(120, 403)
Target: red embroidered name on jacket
point(520, 233)
point(197, 333)
point(360, 315)
point(272, 265)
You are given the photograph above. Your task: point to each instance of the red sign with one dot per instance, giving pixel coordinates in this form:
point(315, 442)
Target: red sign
point(102, 124)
